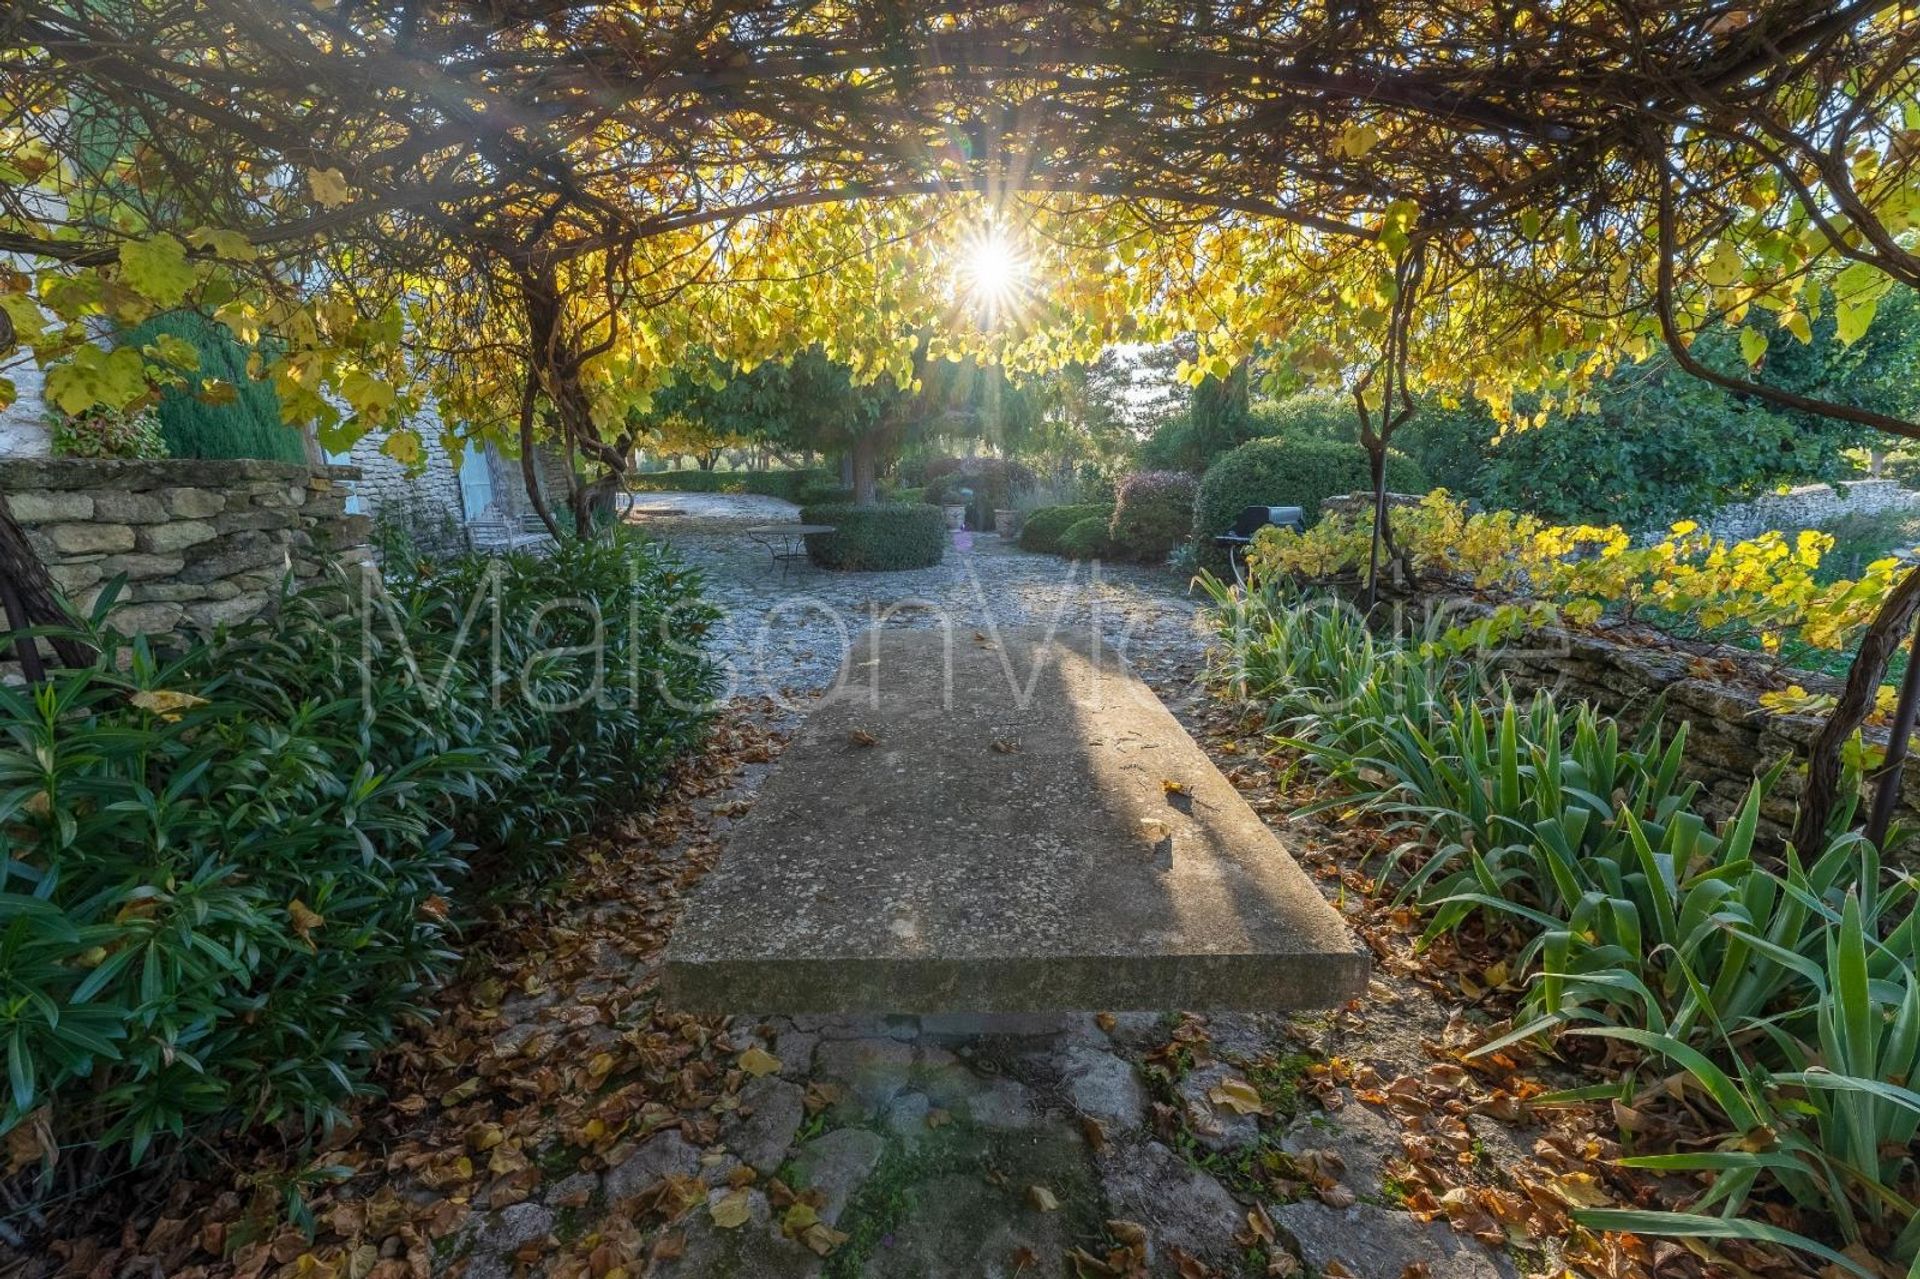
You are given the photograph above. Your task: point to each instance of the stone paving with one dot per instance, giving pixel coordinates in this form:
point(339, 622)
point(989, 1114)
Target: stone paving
point(1084, 1143)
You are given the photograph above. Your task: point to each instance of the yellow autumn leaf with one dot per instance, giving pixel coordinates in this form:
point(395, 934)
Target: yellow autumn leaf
point(731, 1210)
point(305, 921)
point(1581, 1189)
point(757, 1061)
point(1237, 1095)
point(1042, 1199)
point(165, 703)
point(329, 187)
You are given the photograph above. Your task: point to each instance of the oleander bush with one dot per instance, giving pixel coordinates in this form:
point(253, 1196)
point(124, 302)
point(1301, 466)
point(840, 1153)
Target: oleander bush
point(228, 874)
point(1043, 526)
point(881, 538)
point(789, 484)
point(1152, 514)
point(1086, 539)
point(1782, 991)
point(1288, 472)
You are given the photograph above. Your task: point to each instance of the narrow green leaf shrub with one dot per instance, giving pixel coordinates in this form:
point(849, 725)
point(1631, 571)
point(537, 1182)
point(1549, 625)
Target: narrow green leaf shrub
point(1043, 526)
point(1152, 514)
point(227, 875)
point(788, 484)
point(1288, 472)
point(883, 538)
point(1788, 998)
point(1085, 539)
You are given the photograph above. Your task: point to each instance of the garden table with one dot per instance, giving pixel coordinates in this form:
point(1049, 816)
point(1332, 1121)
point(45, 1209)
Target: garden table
point(785, 542)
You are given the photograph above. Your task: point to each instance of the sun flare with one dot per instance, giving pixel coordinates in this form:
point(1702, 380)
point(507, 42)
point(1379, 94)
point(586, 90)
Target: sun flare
point(994, 273)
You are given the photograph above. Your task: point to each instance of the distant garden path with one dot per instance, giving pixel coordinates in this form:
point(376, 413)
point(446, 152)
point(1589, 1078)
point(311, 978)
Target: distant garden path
point(784, 632)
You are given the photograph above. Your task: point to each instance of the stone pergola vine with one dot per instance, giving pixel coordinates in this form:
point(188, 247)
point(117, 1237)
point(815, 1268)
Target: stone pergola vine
point(543, 203)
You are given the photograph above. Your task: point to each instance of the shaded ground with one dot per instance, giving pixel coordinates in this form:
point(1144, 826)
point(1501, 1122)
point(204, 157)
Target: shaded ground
point(556, 1120)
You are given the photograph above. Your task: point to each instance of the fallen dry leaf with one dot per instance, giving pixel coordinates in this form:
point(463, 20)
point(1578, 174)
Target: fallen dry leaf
point(1042, 1199)
point(731, 1210)
point(757, 1061)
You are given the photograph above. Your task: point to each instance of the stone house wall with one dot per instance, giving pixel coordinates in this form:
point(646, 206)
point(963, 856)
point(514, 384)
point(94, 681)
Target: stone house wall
point(199, 542)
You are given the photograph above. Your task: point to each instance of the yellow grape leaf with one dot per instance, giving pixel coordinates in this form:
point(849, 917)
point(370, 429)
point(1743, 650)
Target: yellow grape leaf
point(403, 447)
point(1358, 139)
point(216, 392)
point(1753, 346)
point(757, 1061)
point(1795, 322)
point(157, 269)
point(730, 1211)
point(94, 377)
point(8, 393)
point(232, 245)
point(329, 187)
point(1726, 267)
point(177, 351)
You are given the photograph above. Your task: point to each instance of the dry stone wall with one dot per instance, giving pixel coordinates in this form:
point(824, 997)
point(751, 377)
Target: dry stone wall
point(1810, 506)
point(1731, 738)
point(199, 543)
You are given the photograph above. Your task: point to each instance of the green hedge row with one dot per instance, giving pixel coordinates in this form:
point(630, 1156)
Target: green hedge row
point(1043, 527)
point(1283, 472)
point(791, 484)
point(225, 876)
point(890, 536)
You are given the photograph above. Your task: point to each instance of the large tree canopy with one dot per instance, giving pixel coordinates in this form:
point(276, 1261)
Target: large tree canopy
point(422, 197)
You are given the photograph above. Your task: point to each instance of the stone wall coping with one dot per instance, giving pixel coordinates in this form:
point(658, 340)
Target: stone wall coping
point(29, 473)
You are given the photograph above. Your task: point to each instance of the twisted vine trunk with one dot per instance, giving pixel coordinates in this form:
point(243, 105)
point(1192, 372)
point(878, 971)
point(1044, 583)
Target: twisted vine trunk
point(28, 597)
point(1825, 757)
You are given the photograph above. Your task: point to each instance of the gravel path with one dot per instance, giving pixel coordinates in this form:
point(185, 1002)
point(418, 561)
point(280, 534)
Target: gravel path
point(785, 632)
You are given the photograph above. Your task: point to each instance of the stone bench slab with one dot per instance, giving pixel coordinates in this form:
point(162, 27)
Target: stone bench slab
point(984, 825)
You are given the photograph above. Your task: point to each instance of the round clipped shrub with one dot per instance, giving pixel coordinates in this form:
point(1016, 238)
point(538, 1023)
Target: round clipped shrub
point(1085, 539)
point(876, 539)
point(1044, 525)
point(1285, 472)
point(1152, 514)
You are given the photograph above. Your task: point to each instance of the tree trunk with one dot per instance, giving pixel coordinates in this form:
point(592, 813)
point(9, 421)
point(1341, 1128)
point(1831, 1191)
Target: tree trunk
point(1883, 638)
point(529, 460)
point(29, 598)
point(863, 470)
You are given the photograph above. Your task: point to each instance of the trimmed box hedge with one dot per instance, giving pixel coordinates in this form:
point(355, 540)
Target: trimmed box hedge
point(790, 484)
point(876, 539)
point(1283, 472)
point(1043, 526)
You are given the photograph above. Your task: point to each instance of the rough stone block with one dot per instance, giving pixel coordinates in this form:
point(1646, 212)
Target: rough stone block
point(130, 508)
point(88, 539)
point(48, 508)
point(212, 613)
point(74, 575)
point(194, 503)
point(176, 536)
point(895, 862)
point(145, 619)
point(136, 565)
point(233, 554)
